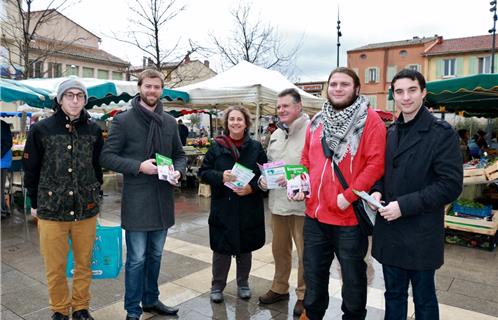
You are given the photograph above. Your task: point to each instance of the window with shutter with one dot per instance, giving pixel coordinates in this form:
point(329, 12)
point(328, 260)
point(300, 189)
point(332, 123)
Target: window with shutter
point(391, 72)
point(88, 72)
point(439, 68)
point(117, 75)
point(72, 70)
point(449, 67)
point(484, 64)
point(102, 74)
point(57, 70)
point(373, 100)
point(373, 75)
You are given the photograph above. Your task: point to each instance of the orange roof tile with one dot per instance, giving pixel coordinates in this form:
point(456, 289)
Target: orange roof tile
point(458, 45)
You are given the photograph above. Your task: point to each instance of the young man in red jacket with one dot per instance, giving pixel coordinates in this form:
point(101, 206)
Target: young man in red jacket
point(356, 136)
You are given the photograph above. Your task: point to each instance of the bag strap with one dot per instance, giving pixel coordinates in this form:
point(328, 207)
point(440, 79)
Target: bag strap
point(339, 175)
point(329, 153)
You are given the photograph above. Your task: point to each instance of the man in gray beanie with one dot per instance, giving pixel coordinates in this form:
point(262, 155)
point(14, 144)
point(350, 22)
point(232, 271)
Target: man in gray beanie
point(63, 178)
point(71, 83)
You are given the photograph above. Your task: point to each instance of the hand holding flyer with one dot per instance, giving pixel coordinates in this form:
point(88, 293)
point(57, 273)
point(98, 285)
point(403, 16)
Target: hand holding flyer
point(368, 198)
point(243, 174)
point(298, 180)
point(273, 172)
point(165, 169)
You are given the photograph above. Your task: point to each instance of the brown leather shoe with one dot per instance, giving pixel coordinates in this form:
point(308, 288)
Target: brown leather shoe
point(299, 308)
point(303, 316)
point(272, 297)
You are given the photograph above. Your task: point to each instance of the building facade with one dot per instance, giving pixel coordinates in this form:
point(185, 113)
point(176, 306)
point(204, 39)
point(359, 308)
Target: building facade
point(458, 57)
point(59, 47)
point(376, 64)
point(178, 74)
point(316, 88)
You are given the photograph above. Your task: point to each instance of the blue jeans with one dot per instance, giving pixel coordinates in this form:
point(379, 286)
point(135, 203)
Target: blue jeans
point(396, 295)
point(144, 250)
point(321, 243)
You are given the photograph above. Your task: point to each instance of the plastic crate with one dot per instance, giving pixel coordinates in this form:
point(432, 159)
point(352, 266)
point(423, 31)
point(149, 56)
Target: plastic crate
point(477, 212)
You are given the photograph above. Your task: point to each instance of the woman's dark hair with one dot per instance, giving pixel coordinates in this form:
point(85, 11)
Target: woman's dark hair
point(245, 113)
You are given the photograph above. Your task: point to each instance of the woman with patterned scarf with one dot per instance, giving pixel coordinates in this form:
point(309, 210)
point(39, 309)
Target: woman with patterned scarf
point(355, 136)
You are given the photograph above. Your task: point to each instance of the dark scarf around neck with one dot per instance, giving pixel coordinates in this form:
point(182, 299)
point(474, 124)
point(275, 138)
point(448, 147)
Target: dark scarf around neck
point(154, 142)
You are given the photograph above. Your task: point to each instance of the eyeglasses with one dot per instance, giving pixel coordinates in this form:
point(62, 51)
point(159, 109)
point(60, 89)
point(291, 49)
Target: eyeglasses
point(70, 96)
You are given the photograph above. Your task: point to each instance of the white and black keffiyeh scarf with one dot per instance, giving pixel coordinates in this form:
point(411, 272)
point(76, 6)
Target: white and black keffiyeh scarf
point(342, 129)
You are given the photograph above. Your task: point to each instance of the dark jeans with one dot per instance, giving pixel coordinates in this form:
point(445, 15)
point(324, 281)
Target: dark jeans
point(424, 293)
point(144, 250)
point(321, 243)
point(221, 267)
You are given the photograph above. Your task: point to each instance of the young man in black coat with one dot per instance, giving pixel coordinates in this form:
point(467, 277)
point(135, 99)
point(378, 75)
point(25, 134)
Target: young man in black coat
point(423, 173)
point(147, 205)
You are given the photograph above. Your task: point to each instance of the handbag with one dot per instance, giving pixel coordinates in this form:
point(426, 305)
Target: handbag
point(364, 222)
point(107, 256)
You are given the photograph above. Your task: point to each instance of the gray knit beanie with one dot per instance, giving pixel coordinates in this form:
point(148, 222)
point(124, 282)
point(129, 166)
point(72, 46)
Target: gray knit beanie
point(71, 83)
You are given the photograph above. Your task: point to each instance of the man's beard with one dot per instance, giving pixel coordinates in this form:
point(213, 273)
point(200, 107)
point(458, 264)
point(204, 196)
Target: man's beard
point(148, 102)
point(341, 106)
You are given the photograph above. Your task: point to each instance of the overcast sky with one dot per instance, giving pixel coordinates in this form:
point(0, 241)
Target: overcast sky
point(313, 21)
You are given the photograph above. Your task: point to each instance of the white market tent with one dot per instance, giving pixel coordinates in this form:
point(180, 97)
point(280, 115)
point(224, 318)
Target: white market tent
point(247, 84)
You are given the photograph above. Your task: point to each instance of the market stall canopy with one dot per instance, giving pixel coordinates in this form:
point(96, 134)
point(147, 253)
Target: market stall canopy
point(475, 95)
point(4, 114)
point(249, 85)
point(12, 90)
point(100, 92)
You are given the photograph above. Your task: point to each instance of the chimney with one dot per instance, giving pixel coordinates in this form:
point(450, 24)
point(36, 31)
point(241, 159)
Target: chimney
point(206, 63)
point(144, 62)
point(187, 59)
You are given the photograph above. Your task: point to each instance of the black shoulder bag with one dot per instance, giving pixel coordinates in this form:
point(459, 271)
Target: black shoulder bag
point(366, 226)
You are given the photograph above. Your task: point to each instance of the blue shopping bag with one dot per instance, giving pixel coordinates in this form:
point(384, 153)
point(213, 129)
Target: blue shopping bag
point(107, 258)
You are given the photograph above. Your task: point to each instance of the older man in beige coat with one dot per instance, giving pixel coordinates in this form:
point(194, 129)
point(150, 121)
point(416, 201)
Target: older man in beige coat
point(287, 218)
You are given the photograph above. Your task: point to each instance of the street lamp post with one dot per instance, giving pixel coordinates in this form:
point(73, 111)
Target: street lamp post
point(339, 34)
point(493, 31)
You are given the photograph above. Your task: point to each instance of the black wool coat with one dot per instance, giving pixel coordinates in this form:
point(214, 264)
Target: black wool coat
point(423, 173)
point(236, 224)
point(147, 203)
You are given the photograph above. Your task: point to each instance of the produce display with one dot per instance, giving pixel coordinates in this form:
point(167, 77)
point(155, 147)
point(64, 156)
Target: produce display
point(18, 142)
point(480, 170)
point(470, 209)
point(471, 240)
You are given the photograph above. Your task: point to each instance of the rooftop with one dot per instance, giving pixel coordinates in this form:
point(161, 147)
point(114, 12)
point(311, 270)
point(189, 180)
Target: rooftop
point(467, 44)
point(399, 43)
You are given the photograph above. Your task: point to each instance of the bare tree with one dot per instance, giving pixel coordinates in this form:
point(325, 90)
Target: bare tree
point(21, 34)
point(258, 43)
point(147, 29)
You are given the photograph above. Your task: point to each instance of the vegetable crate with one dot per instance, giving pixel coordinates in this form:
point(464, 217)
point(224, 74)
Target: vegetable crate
point(491, 171)
point(476, 175)
point(477, 225)
point(486, 211)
